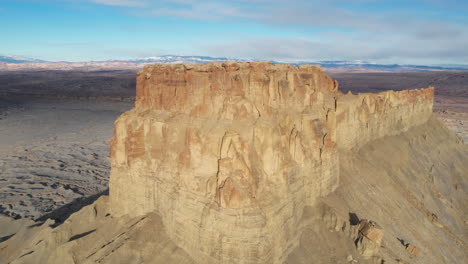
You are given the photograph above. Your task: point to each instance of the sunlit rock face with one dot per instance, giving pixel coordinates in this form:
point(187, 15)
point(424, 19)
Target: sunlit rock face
point(364, 117)
point(229, 154)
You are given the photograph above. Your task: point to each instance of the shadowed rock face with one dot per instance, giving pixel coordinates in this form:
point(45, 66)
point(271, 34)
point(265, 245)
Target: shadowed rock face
point(230, 154)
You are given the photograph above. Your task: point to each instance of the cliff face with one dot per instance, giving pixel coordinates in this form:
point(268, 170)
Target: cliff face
point(230, 154)
point(365, 117)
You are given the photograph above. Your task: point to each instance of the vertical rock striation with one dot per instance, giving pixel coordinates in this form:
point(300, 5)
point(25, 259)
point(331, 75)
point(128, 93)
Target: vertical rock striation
point(365, 117)
point(229, 154)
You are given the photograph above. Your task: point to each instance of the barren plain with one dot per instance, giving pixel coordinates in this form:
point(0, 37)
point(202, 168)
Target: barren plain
point(54, 128)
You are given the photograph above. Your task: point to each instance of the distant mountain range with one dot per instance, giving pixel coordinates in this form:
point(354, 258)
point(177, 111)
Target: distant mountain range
point(336, 65)
point(177, 59)
point(17, 59)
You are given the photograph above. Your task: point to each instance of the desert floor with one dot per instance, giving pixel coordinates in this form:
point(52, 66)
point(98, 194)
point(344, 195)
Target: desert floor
point(53, 151)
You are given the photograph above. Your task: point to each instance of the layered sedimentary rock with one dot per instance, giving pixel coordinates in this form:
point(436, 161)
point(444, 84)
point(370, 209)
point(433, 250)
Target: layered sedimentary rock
point(364, 117)
point(230, 154)
point(369, 239)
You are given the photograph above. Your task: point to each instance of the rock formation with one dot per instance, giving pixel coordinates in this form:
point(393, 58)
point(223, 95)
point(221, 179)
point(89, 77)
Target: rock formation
point(230, 154)
point(266, 163)
point(369, 239)
point(367, 235)
point(365, 117)
point(227, 153)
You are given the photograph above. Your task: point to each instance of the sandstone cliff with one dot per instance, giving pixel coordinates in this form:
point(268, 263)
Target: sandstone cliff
point(242, 163)
point(226, 153)
point(365, 117)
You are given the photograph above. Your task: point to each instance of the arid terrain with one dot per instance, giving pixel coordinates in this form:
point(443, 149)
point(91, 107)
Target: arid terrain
point(56, 125)
point(53, 152)
point(55, 128)
point(233, 132)
point(29, 84)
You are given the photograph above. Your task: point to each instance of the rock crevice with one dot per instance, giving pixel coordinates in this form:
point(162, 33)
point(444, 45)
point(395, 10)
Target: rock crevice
point(230, 154)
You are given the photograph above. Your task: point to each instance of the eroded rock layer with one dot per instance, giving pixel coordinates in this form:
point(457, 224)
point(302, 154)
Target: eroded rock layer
point(227, 153)
point(365, 117)
point(230, 154)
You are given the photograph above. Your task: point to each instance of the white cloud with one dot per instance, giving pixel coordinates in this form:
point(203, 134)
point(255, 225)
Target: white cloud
point(347, 46)
point(426, 30)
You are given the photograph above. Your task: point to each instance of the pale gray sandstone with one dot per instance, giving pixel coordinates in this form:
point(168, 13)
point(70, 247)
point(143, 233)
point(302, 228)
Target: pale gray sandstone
point(228, 161)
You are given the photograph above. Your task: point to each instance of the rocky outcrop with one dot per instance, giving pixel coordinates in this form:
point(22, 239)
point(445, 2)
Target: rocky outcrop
point(369, 239)
point(367, 235)
point(230, 154)
point(365, 117)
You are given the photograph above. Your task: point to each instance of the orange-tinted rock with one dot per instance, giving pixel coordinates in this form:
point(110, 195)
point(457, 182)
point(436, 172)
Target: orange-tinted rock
point(412, 250)
point(226, 153)
point(229, 154)
point(231, 91)
point(372, 231)
point(369, 239)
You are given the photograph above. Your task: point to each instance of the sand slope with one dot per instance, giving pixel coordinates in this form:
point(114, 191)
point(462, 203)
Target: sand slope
point(414, 185)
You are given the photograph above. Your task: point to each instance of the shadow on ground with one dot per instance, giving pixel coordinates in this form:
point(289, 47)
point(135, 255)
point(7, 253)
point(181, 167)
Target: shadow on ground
point(62, 213)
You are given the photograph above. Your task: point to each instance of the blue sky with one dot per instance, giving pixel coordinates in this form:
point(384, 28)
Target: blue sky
point(383, 31)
